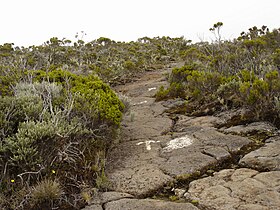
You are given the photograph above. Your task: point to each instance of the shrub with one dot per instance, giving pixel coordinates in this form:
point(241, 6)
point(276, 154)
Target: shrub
point(203, 89)
point(162, 94)
point(276, 58)
point(97, 100)
point(9, 76)
point(64, 126)
point(189, 83)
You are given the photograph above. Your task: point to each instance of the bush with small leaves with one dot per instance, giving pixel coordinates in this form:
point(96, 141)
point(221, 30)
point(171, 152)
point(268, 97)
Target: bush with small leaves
point(98, 101)
point(203, 90)
point(189, 83)
point(57, 126)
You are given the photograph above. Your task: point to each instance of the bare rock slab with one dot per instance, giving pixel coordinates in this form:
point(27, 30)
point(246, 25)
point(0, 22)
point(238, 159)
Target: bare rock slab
point(93, 207)
point(139, 181)
point(185, 122)
point(147, 204)
point(184, 165)
point(235, 117)
point(264, 158)
point(144, 121)
point(107, 197)
point(237, 189)
point(211, 137)
point(207, 148)
point(257, 128)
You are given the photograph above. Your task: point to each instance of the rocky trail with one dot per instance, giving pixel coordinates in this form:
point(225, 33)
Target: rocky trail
point(170, 161)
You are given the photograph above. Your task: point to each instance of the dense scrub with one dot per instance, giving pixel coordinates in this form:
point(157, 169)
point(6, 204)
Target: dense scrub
point(225, 75)
point(55, 129)
point(114, 62)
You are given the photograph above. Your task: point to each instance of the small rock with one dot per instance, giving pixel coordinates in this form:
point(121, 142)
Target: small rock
point(217, 152)
point(179, 192)
point(173, 103)
point(185, 123)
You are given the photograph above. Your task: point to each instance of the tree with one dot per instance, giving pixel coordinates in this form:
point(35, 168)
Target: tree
point(216, 29)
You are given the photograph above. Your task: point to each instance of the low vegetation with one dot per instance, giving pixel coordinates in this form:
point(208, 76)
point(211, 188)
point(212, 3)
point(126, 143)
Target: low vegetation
point(55, 129)
point(59, 114)
point(244, 73)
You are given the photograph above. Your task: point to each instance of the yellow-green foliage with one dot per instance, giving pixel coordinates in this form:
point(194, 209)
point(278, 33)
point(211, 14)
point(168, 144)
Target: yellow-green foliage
point(245, 89)
point(97, 99)
point(190, 83)
point(94, 97)
point(276, 57)
point(259, 93)
point(180, 74)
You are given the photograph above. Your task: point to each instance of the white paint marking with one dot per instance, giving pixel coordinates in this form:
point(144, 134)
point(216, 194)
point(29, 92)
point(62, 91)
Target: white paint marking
point(142, 102)
point(148, 144)
point(153, 88)
point(178, 143)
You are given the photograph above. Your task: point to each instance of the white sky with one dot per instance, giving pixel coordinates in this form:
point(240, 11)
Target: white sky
point(32, 22)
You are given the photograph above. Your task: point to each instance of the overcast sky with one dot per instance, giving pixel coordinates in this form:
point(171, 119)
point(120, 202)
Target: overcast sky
point(32, 22)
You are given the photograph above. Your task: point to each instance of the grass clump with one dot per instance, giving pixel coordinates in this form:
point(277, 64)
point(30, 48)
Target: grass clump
point(46, 193)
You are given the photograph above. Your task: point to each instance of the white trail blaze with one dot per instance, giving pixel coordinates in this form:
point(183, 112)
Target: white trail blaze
point(178, 143)
point(153, 88)
point(148, 144)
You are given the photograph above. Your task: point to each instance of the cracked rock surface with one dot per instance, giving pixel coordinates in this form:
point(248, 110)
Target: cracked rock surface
point(147, 204)
point(154, 150)
point(237, 189)
point(157, 148)
point(264, 158)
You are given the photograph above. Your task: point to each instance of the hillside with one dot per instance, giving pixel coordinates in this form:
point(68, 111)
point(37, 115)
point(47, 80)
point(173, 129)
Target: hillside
point(141, 120)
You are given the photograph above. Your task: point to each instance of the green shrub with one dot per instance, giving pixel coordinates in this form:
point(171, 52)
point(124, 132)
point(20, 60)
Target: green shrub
point(9, 76)
point(97, 100)
point(93, 97)
point(14, 110)
point(129, 65)
point(205, 89)
point(180, 74)
point(191, 84)
point(62, 122)
point(162, 94)
point(28, 146)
